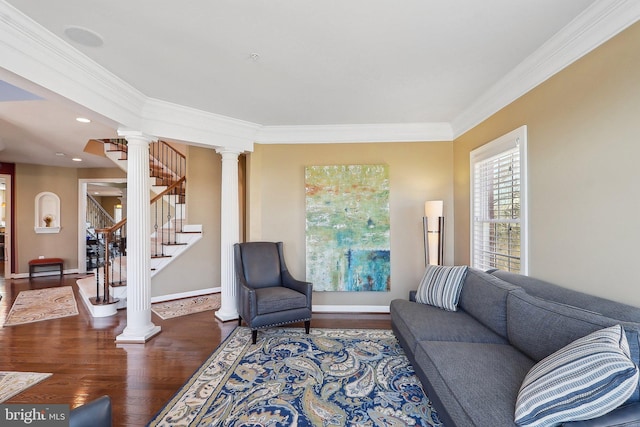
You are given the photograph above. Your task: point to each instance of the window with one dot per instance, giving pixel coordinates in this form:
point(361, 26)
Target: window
point(498, 203)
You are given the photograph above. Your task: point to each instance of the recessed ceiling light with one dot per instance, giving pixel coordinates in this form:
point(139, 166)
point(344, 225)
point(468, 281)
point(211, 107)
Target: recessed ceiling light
point(76, 159)
point(83, 36)
point(83, 120)
point(59, 154)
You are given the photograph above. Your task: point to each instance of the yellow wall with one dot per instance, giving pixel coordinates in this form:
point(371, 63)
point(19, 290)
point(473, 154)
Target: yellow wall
point(101, 173)
point(31, 180)
point(203, 197)
point(199, 267)
point(108, 203)
point(417, 172)
point(584, 178)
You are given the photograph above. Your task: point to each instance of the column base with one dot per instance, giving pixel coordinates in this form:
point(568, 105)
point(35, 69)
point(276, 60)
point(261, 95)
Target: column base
point(137, 337)
point(227, 316)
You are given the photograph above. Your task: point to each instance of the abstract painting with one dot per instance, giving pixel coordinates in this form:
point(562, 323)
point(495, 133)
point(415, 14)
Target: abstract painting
point(347, 228)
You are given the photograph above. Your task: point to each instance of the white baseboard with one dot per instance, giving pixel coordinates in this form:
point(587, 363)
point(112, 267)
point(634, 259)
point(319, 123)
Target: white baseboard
point(44, 273)
point(350, 309)
point(163, 298)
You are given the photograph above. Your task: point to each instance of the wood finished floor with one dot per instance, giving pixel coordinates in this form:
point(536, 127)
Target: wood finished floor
point(86, 362)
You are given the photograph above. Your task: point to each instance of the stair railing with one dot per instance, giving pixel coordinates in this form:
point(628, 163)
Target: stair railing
point(168, 167)
point(167, 217)
point(166, 164)
point(113, 243)
point(97, 216)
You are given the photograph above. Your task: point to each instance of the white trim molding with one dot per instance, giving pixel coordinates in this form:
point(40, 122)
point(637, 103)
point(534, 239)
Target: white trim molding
point(189, 294)
point(29, 50)
point(597, 24)
point(192, 125)
point(350, 309)
point(32, 56)
point(400, 132)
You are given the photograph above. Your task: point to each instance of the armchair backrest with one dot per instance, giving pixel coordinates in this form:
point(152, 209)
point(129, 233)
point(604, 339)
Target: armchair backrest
point(259, 263)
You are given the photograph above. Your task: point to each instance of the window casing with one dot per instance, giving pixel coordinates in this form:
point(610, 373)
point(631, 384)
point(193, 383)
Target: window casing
point(498, 204)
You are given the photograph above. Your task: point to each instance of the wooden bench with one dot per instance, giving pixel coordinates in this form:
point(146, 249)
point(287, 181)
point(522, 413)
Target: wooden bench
point(45, 262)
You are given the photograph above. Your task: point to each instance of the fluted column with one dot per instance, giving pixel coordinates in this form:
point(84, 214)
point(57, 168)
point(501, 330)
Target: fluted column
point(139, 327)
point(229, 234)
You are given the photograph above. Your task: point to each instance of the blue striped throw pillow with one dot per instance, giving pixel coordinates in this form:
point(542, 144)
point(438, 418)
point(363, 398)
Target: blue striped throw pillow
point(586, 379)
point(440, 286)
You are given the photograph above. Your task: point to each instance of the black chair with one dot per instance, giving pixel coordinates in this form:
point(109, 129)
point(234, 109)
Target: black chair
point(268, 294)
point(96, 413)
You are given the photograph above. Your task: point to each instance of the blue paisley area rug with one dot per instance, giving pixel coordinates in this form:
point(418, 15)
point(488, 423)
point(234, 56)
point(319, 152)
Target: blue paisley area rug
point(331, 377)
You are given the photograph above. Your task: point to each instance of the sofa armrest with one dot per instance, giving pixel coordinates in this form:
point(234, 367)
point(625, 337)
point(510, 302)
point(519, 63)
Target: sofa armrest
point(246, 301)
point(412, 296)
point(624, 416)
point(297, 285)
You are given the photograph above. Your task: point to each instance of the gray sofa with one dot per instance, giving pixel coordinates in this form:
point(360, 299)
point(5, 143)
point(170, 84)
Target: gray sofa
point(472, 361)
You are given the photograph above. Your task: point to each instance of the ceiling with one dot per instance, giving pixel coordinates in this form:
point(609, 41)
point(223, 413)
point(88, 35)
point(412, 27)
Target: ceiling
point(278, 62)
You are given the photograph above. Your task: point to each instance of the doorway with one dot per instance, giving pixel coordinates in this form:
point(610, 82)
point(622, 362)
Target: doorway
point(6, 228)
point(113, 189)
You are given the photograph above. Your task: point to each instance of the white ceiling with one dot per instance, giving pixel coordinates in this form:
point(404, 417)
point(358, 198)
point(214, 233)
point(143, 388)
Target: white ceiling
point(329, 62)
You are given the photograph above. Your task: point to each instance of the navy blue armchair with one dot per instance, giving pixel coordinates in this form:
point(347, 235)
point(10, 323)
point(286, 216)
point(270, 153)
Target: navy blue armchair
point(268, 295)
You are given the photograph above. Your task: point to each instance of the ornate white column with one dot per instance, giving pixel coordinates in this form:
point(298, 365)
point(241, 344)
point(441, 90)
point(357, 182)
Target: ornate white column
point(229, 234)
point(139, 327)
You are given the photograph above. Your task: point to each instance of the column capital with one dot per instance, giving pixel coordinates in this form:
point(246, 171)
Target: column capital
point(228, 151)
point(136, 136)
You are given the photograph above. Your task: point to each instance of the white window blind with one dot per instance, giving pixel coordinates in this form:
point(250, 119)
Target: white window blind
point(498, 220)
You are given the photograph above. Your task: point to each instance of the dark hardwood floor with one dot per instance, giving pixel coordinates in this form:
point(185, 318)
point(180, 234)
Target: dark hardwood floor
point(86, 362)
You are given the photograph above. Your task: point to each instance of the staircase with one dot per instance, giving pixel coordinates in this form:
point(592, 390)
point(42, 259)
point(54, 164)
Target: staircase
point(170, 236)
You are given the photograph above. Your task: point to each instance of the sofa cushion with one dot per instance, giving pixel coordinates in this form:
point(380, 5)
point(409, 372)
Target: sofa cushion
point(278, 298)
point(539, 327)
point(477, 383)
point(485, 298)
point(624, 416)
point(549, 291)
point(417, 322)
point(440, 286)
point(586, 379)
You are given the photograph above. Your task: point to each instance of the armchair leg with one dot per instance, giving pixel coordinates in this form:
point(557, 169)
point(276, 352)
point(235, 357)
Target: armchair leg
point(254, 336)
point(307, 326)
point(239, 321)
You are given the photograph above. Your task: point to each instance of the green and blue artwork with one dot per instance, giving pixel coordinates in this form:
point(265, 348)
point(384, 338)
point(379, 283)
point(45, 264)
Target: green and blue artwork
point(347, 228)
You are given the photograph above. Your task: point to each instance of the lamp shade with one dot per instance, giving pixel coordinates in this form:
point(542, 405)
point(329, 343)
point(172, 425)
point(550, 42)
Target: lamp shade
point(433, 209)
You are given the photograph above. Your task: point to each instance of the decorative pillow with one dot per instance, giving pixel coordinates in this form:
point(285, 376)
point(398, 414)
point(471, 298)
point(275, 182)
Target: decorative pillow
point(440, 286)
point(586, 379)
point(634, 350)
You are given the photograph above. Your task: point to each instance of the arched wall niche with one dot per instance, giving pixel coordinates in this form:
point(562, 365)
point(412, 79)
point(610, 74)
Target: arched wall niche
point(47, 213)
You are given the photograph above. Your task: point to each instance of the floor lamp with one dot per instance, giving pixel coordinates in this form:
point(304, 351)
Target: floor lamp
point(433, 230)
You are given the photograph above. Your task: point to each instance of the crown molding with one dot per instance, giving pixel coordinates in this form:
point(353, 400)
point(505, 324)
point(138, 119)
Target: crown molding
point(169, 120)
point(400, 132)
point(32, 52)
point(34, 55)
point(597, 24)
point(46, 63)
